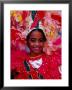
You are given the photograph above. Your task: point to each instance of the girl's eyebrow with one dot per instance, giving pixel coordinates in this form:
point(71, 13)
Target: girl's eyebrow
point(36, 38)
point(32, 38)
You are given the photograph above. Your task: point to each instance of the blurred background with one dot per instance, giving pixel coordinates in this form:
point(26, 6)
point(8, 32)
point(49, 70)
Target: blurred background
point(23, 21)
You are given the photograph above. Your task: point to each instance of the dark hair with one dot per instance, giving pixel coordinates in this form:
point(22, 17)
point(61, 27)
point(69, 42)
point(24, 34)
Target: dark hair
point(40, 30)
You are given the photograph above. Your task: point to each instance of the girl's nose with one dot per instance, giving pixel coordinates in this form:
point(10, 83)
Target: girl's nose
point(37, 43)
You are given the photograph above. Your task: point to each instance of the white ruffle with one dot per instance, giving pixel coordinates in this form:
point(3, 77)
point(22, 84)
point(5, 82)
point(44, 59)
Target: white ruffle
point(36, 63)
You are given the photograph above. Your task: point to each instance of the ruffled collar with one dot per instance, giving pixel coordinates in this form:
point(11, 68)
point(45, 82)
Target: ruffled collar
point(36, 63)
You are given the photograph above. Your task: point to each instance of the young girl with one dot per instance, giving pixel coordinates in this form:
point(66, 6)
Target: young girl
point(35, 64)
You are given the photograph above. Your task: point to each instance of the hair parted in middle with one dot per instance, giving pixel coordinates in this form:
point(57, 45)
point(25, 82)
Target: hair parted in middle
point(36, 29)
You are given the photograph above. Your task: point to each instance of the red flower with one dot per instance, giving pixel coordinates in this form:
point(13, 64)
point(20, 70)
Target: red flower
point(39, 16)
point(14, 34)
point(56, 17)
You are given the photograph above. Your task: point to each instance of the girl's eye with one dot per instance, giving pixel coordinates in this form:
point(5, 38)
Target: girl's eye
point(33, 40)
point(41, 40)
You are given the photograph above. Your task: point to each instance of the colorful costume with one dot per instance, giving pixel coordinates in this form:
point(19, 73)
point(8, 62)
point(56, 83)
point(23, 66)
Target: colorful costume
point(41, 67)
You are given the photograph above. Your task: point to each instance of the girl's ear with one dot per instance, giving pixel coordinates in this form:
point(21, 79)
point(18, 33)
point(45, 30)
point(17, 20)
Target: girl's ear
point(25, 41)
point(27, 47)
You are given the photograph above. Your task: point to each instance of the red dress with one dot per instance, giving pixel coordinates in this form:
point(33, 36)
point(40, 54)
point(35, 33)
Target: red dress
point(22, 69)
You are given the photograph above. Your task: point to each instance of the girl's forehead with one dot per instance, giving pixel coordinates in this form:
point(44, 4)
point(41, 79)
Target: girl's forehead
point(36, 34)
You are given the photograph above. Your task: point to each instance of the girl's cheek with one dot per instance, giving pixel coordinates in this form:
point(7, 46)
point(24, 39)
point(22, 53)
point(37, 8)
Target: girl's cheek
point(32, 44)
point(41, 44)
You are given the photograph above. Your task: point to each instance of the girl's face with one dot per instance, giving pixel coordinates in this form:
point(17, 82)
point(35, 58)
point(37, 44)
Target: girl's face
point(36, 43)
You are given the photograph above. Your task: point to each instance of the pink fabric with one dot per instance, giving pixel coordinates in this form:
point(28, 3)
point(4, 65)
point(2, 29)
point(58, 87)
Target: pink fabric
point(58, 41)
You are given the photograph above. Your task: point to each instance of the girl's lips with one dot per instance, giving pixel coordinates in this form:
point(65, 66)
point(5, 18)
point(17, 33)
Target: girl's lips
point(36, 48)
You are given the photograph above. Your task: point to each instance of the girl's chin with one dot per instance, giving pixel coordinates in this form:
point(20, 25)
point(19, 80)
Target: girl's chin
point(34, 53)
point(37, 52)
point(36, 49)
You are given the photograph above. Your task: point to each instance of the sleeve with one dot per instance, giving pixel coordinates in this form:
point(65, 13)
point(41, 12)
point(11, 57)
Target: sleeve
point(17, 58)
point(55, 63)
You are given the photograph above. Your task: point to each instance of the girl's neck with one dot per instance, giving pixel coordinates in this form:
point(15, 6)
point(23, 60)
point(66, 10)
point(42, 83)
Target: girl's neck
point(32, 55)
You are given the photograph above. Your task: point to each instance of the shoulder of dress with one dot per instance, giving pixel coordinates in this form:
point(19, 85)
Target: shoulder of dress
point(19, 55)
point(56, 57)
point(57, 52)
point(46, 57)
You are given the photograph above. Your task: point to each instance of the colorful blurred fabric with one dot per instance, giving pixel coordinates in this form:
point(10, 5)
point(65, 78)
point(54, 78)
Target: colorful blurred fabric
point(23, 21)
